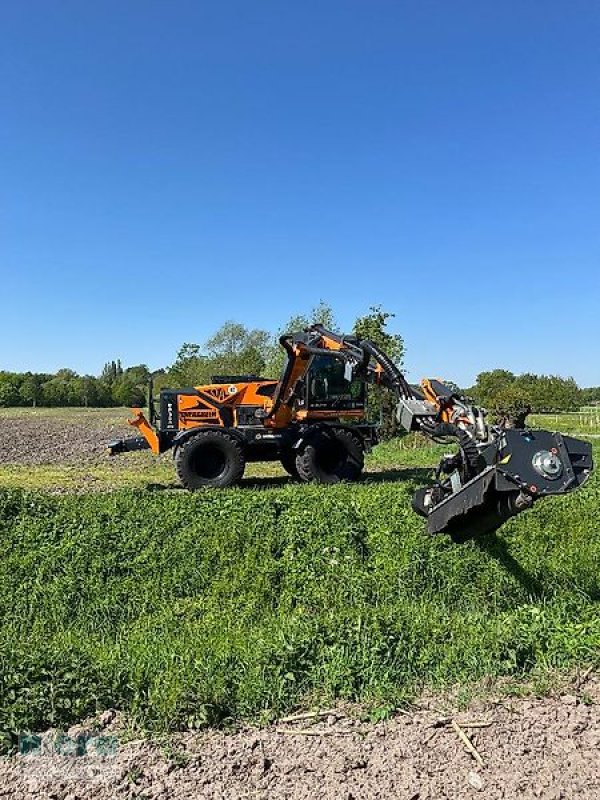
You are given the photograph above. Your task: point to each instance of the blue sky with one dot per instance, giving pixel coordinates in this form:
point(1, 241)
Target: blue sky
point(166, 166)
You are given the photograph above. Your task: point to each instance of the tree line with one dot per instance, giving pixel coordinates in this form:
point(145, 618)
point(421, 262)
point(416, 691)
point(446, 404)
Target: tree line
point(115, 386)
point(235, 349)
point(506, 394)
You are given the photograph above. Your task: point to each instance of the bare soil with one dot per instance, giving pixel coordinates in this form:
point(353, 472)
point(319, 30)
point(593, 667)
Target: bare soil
point(530, 748)
point(69, 436)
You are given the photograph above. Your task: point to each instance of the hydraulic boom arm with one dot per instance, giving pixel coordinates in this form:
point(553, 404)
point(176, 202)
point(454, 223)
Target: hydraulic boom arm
point(496, 473)
point(314, 421)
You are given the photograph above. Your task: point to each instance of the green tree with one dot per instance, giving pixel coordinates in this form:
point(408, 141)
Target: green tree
point(130, 387)
point(160, 379)
point(590, 395)
point(374, 327)
point(30, 391)
point(232, 350)
point(512, 404)
point(9, 389)
point(558, 394)
point(138, 374)
point(89, 391)
point(190, 367)
point(489, 384)
point(111, 371)
point(126, 392)
point(500, 390)
point(237, 350)
point(55, 392)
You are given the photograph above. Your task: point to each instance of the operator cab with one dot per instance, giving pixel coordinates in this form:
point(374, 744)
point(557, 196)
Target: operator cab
point(327, 388)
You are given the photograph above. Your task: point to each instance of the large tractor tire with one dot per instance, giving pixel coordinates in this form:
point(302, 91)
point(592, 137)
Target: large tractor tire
point(331, 455)
point(288, 462)
point(212, 459)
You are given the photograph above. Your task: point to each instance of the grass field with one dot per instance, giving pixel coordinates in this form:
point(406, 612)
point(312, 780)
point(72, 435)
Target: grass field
point(577, 422)
point(192, 609)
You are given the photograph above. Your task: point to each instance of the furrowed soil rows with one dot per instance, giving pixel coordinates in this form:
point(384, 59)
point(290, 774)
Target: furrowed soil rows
point(66, 436)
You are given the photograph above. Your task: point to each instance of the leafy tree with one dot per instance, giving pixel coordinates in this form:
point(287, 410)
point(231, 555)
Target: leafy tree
point(66, 374)
point(9, 389)
point(236, 350)
point(553, 393)
point(138, 374)
point(374, 326)
point(55, 392)
point(160, 379)
point(92, 392)
point(232, 350)
point(590, 395)
point(489, 384)
point(501, 390)
point(30, 391)
point(322, 314)
point(126, 392)
point(130, 387)
point(111, 371)
point(512, 404)
point(190, 367)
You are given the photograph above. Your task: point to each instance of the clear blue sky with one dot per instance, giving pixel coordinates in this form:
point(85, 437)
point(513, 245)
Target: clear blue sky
point(166, 166)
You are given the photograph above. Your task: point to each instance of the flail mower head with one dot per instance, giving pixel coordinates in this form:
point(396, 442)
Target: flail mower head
point(515, 470)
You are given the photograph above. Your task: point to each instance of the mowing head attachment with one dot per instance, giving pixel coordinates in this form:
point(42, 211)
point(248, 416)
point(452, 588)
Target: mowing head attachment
point(514, 471)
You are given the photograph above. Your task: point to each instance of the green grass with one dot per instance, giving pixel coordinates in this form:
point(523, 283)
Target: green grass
point(134, 472)
point(143, 470)
point(577, 423)
point(190, 609)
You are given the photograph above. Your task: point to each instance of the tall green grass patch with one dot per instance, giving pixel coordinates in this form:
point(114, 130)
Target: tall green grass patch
point(190, 609)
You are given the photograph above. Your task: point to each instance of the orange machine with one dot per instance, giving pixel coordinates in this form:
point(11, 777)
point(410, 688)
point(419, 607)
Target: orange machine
point(314, 421)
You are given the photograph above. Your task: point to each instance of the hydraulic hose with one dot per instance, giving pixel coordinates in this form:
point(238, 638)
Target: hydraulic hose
point(396, 379)
point(466, 443)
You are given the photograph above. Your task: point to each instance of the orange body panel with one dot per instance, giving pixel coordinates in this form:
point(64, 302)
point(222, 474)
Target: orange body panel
point(141, 423)
point(447, 412)
point(429, 393)
point(285, 413)
point(194, 410)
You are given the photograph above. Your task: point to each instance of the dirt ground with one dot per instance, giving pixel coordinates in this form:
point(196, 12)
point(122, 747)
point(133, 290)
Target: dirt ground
point(545, 748)
point(66, 436)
